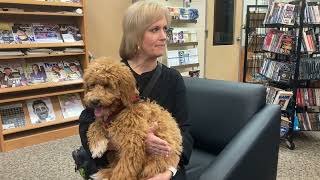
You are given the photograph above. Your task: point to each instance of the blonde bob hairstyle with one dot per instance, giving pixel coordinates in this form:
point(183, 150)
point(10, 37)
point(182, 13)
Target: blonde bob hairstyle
point(138, 17)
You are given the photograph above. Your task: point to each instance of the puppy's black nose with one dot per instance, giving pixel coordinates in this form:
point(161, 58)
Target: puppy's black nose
point(95, 102)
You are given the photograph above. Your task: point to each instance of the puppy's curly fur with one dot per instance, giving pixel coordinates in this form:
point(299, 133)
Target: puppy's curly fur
point(110, 86)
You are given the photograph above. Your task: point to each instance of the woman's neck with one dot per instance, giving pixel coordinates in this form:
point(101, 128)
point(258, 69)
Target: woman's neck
point(141, 64)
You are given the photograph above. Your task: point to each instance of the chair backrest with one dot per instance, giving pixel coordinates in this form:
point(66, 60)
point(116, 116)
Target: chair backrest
point(219, 109)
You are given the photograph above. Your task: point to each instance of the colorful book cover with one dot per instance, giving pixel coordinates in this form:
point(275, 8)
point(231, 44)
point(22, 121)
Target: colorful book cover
point(70, 33)
point(46, 33)
point(40, 110)
point(23, 33)
point(283, 98)
point(12, 75)
point(54, 71)
point(35, 73)
point(6, 35)
point(71, 105)
point(72, 69)
point(12, 116)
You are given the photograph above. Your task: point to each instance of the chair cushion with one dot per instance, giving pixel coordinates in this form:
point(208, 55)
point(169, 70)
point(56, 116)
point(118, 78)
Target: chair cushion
point(199, 161)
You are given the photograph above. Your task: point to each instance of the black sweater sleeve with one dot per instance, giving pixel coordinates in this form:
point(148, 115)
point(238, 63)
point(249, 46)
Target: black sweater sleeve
point(86, 118)
point(181, 115)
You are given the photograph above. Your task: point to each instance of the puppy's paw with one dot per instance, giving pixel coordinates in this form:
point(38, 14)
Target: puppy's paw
point(102, 174)
point(99, 148)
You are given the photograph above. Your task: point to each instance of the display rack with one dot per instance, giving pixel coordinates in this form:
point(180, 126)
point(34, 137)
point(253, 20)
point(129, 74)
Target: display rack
point(254, 56)
point(42, 12)
point(186, 68)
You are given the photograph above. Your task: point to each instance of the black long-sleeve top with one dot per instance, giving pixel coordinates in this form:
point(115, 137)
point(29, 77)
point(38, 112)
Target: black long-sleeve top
point(169, 91)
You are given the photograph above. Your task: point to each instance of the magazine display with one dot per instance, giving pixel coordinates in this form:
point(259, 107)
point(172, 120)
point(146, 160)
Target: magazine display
point(71, 105)
point(46, 33)
point(12, 116)
point(54, 71)
point(12, 75)
point(40, 110)
point(35, 73)
point(23, 33)
point(6, 35)
point(72, 69)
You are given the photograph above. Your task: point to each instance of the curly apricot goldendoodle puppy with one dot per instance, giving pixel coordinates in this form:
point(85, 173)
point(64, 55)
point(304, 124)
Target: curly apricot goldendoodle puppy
point(110, 89)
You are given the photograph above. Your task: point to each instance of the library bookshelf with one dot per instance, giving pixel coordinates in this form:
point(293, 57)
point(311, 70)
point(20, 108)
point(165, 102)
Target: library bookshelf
point(51, 13)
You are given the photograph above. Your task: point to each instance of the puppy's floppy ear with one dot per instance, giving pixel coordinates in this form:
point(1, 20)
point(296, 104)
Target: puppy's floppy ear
point(127, 85)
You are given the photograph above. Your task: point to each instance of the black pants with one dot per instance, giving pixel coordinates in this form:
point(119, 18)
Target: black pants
point(84, 161)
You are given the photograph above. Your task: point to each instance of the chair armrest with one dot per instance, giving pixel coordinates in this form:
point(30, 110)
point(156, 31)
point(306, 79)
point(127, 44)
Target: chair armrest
point(253, 153)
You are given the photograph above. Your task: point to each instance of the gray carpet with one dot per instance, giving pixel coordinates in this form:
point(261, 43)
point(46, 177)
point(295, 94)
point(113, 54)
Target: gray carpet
point(53, 160)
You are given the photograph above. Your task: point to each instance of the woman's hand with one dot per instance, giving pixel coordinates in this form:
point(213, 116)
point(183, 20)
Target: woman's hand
point(155, 145)
point(162, 176)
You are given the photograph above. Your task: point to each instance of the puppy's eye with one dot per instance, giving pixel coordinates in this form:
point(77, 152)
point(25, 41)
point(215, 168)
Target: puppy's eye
point(91, 86)
point(107, 86)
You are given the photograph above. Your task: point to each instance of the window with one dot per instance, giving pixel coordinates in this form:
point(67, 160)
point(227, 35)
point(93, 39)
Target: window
point(223, 30)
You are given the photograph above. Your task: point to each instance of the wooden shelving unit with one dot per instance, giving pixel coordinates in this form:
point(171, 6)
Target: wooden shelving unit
point(41, 3)
point(39, 56)
point(42, 12)
point(40, 45)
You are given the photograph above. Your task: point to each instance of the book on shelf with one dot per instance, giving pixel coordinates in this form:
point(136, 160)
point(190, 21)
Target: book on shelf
point(55, 71)
point(308, 97)
point(23, 33)
point(309, 121)
point(281, 13)
point(310, 41)
point(282, 98)
point(6, 34)
point(279, 42)
point(11, 53)
point(46, 33)
point(277, 71)
point(72, 69)
point(73, 50)
point(39, 51)
point(312, 14)
point(70, 33)
point(35, 73)
point(183, 13)
point(181, 35)
point(182, 57)
point(309, 68)
point(12, 116)
point(40, 110)
point(12, 75)
point(71, 105)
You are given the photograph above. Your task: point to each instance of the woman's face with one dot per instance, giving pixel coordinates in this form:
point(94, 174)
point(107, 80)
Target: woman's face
point(35, 68)
point(154, 39)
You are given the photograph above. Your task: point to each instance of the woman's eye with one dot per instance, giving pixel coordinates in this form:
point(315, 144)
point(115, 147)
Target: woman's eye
point(154, 29)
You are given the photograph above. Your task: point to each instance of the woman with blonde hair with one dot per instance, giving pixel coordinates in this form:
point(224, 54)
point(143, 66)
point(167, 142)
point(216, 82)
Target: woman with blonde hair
point(144, 41)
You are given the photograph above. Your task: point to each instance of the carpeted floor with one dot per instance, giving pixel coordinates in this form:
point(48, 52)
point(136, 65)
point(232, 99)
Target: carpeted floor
point(53, 160)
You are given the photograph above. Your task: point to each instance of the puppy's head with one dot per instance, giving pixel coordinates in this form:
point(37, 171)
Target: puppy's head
point(108, 84)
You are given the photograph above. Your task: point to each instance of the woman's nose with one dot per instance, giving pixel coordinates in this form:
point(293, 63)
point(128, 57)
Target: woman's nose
point(163, 34)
